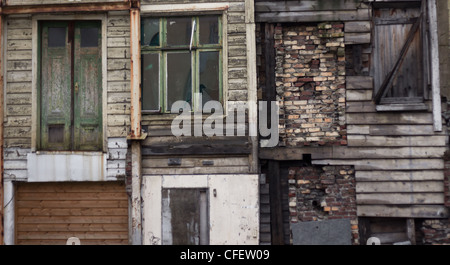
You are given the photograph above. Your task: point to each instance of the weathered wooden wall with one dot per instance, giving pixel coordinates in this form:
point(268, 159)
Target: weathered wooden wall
point(19, 102)
point(217, 154)
point(397, 154)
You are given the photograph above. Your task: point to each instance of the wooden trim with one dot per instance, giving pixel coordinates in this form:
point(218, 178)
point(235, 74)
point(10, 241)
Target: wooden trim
point(196, 7)
point(1, 133)
point(435, 71)
point(118, 6)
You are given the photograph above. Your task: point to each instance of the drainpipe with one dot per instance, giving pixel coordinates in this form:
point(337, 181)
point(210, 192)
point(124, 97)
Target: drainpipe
point(135, 131)
point(2, 209)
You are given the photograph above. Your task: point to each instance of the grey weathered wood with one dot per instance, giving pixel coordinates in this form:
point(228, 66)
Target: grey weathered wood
point(399, 187)
point(423, 211)
point(385, 176)
point(394, 141)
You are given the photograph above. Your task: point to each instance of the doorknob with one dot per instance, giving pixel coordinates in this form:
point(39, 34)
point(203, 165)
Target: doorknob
point(76, 87)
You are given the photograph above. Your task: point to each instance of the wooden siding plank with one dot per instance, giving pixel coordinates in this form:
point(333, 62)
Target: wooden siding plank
point(383, 176)
point(387, 164)
point(389, 118)
point(400, 187)
point(396, 141)
point(400, 198)
point(422, 211)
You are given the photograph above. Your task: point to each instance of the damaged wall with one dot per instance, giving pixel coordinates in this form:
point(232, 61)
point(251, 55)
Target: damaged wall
point(310, 81)
point(320, 193)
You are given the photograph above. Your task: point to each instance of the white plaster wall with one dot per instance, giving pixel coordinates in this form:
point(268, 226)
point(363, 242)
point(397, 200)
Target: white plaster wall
point(233, 206)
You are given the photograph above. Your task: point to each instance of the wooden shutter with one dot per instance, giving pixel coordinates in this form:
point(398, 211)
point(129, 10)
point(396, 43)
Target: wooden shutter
point(55, 86)
point(398, 57)
point(50, 213)
point(71, 86)
point(88, 87)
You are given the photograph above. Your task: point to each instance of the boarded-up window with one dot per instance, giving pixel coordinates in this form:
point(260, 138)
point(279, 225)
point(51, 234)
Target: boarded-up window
point(185, 217)
point(70, 86)
point(399, 57)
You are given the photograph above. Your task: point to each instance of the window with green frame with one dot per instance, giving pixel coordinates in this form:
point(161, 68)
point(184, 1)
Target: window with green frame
point(181, 56)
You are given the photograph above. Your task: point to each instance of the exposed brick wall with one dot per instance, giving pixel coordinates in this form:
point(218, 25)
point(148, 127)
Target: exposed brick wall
point(435, 232)
point(310, 81)
point(323, 192)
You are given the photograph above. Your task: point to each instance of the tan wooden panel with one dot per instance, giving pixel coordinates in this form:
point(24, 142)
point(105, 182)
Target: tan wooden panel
point(50, 213)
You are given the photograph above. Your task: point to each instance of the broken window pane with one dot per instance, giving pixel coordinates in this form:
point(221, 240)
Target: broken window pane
point(57, 37)
point(89, 37)
point(179, 79)
point(150, 84)
point(179, 31)
point(209, 29)
point(150, 31)
point(209, 76)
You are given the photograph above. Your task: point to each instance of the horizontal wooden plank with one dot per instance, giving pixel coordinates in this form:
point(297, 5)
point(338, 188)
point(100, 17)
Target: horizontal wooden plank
point(387, 164)
point(72, 227)
point(359, 82)
point(401, 130)
point(357, 26)
point(316, 16)
point(422, 211)
point(367, 140)
point(72, 204)
point(277, 6)
point(71, 219)
point(359, 95)
point(152, 162)
point(389, 118)
point(66, 235)
point(399, 198)
point(73, 212)
point(196, 170)
point(76, 187)
point(400, 186)
point(357, 38)
point(65, 196)
point(351, 153)
point(384, 176)
point(54, 242)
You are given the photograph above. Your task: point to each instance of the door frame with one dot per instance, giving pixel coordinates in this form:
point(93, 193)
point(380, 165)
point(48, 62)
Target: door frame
point(35, 71)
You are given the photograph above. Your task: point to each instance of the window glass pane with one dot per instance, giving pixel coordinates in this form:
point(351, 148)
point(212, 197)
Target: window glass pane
point(150, 84)
point(209, 29)
point(150, 31)
point(179, 31)
point(179, 79)
point(57, 37)
point(89, 37)
point(209, 76)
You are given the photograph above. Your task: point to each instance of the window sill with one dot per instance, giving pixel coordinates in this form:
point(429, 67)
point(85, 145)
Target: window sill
point(402, 107)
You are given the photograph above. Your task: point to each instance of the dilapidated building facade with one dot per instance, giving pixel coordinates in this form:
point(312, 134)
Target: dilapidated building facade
point(139, 122)
point(362, 151)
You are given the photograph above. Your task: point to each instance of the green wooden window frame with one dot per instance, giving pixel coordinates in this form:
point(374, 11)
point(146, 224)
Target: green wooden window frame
point(160, 47)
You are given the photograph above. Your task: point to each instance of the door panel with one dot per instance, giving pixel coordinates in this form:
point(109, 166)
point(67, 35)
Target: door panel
point(55, 87)
point(88, 87)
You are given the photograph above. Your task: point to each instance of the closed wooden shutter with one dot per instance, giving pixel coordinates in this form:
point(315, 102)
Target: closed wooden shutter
point(51, 213)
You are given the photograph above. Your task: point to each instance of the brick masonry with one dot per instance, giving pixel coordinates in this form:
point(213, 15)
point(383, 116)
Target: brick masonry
point(319, 193)
point(310, 81)
point(435, 232)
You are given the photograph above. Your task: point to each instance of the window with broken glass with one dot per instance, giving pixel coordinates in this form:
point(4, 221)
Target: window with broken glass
point(181, 56)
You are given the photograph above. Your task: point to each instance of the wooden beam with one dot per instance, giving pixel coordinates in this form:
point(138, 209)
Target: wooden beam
point(1, 131)
point(117, 6)
point(135, 50)
point(435, 70)
point(276, 211)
